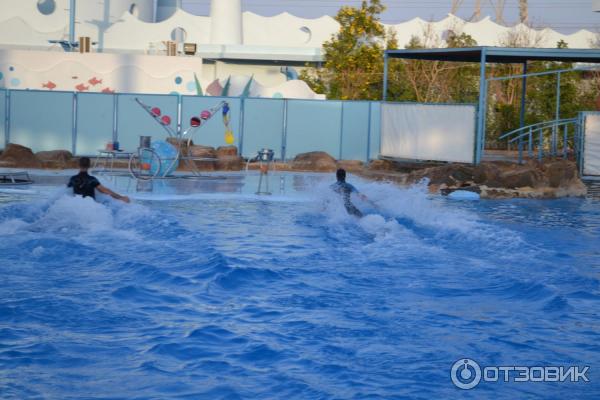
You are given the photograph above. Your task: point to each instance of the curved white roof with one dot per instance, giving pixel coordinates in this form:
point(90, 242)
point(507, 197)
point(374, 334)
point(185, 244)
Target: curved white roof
point(299, 39)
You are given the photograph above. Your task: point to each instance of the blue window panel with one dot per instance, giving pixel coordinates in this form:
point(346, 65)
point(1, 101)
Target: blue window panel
point(263, 126)
point(133, 121)
point(94, 122)
point(375, 142)
point(355, 133)
point(213, 132)
point(313, 126)
point(2, 118)
point(41, 120)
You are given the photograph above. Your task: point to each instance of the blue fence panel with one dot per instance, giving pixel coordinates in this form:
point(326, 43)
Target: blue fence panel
point(2, 118)
point(42, 120)
point(213, 133)
point(263, 126)
point(94, 122)
point(313, 125)
point(133, 121)
point(355, 132)
point(375, 140)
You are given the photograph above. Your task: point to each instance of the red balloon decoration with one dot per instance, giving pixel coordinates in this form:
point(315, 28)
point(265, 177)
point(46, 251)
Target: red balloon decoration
point(156, 112)
point(195, 122)
point(166, 120)
point(205, 114)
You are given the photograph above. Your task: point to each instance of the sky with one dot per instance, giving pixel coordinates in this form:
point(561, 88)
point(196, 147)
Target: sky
point(565, 16)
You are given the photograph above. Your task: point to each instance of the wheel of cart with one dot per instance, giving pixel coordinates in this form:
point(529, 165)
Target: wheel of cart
point(145, 164)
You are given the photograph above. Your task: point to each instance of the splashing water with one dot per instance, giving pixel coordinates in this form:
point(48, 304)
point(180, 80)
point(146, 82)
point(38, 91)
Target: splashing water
point(231, 295)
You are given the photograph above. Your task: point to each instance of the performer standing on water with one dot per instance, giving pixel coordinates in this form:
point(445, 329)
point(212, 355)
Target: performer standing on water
point(345, 190)
point(85, 185)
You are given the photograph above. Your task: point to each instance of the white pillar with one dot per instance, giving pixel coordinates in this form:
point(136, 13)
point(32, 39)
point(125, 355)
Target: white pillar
point(226, 22)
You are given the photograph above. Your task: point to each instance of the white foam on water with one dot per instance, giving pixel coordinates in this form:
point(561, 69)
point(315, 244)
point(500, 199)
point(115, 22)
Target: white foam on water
point(442, 221)
point(18, 191)
point(274, 198)
point(78, 218)
point(12, 226)
point(38, 251)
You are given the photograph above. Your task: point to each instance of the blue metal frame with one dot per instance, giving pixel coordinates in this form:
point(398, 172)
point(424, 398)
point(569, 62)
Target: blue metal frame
point(385, 75)
point(523, 96)
point(530, 130)
point(506, 55)
point(483, 55)
point(482, 108)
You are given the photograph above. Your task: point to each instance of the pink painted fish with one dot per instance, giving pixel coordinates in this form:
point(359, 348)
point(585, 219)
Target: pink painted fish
point(95, 81)
point(82, 88)
point(107, 90)
point(49, 85)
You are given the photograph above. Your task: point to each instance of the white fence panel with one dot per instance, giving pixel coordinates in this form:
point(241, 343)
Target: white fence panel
point(591, 146)
point(428, 132)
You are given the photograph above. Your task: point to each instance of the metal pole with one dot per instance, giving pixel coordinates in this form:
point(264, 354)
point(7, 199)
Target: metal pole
point(541, 145)
point(7, 118)
point(565, 148)
point(557, 115)
point(74, 122)
point(385, 75)
point(479, 143)
point(341, 130)
point(179, 115)
point(369, 133)
point(522, 111)
point(115, 135)
point(530, 144)
point(241, 125)
point(284, 129)
point(580, 142)
point(72, 12)
point(523, 95)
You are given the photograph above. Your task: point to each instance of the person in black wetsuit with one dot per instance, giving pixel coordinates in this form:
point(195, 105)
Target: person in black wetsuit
point(85, 185)
point(345, 190)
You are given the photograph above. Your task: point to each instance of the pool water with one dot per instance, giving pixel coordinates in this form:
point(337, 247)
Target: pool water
point(202, 290)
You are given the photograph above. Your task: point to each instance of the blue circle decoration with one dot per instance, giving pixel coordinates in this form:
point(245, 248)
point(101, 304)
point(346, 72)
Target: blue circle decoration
point(191, 86)
point(178, 80)
point(168, 158)
point(11, 68)
point(277, 95)
point(15, 82)
point(176, 93)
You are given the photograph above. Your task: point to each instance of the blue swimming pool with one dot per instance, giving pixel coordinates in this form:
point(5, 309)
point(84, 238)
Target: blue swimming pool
point(202, 290)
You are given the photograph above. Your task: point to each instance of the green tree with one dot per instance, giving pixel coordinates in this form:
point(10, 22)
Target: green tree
point(354, 56)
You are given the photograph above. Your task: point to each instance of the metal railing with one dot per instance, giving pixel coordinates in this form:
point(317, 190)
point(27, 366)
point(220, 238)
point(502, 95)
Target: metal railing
point(547, 139)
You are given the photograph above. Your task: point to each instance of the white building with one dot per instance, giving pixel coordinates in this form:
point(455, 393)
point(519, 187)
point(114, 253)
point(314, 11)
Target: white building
point(131, 35)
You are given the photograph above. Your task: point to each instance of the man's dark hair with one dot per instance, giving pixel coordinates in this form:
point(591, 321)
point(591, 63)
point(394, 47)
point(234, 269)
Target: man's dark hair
point(341, 175)
point(84, 163)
